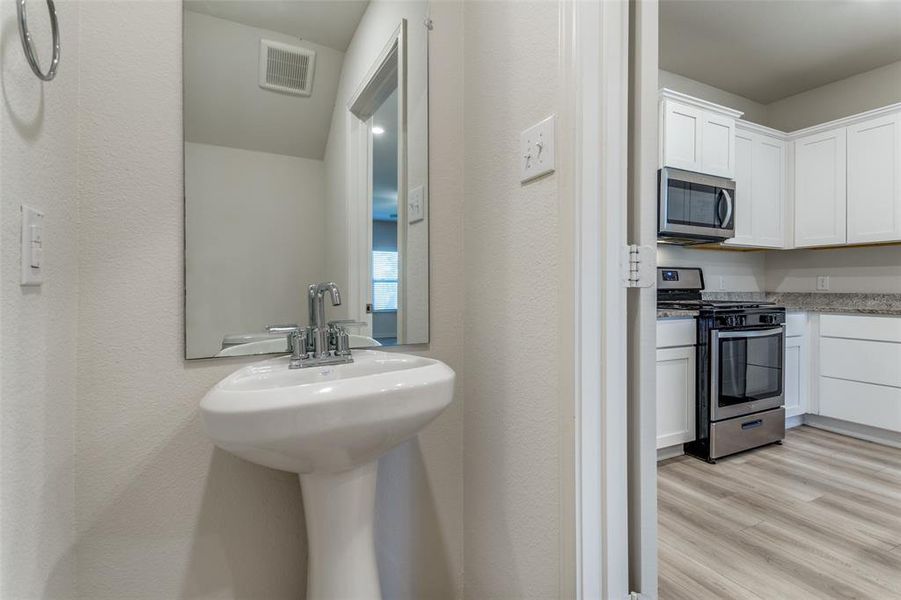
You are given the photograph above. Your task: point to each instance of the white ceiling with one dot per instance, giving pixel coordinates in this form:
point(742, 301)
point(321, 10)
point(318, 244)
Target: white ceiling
point(225, 106)
point(766, 50)
point(329, 23)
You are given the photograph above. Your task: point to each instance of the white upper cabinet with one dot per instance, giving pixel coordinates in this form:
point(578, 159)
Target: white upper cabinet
point(718, 145)
point(874, 180)
point(744, 184)
point(760, 188)
point(820, 193)
point(697, 135)
point(832, 184)
point(681, 136)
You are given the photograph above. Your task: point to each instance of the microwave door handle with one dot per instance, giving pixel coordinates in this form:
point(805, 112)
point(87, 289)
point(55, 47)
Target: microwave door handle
point(728, 198)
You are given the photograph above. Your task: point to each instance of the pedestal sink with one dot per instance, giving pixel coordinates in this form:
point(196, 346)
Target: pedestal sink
point(330, 425)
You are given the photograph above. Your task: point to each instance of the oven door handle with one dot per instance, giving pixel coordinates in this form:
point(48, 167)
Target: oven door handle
point(749, 333)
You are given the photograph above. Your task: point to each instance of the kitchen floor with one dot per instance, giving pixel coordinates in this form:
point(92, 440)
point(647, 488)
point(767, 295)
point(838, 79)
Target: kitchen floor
point(816, 518)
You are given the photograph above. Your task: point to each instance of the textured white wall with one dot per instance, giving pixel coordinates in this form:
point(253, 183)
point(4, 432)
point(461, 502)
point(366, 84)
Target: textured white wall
point(254, 241)
point(161, 514)
point(513, 269)
point(856, 94)
point(866, 270)
point(38, 162)
point(753, 111)
point(741, 271)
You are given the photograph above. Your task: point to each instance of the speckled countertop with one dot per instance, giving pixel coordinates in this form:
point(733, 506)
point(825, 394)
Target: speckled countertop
point(823, 302)
point(820, 302)
point(676, 313)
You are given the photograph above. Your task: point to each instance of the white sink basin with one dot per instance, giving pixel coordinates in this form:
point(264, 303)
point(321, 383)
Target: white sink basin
point(274, 344)
point(330, 424)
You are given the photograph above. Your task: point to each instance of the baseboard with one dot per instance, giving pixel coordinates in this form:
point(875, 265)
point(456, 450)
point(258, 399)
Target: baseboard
point(855, 430)
point(669, 452)
point(795, 421)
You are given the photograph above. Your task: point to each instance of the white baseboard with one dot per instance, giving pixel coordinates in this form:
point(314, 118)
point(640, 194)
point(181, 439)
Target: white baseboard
point(669, 452)
point(855, 430)
point(795, 421)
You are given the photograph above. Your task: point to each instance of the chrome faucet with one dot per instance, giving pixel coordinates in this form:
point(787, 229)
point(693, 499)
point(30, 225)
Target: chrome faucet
point(320, 343)
point(317, 315)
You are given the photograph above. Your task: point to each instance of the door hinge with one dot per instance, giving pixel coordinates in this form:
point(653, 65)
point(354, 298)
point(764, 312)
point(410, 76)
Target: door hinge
point(638, 266)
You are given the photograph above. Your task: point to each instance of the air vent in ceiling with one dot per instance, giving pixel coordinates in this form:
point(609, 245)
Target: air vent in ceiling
point(285, 68)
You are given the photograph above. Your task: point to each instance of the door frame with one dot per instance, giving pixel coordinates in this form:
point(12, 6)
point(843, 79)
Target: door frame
point(642, 309)
point(596, 55)
point(390, 66)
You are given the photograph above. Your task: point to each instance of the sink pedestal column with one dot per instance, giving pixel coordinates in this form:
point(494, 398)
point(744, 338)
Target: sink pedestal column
point(339, 509)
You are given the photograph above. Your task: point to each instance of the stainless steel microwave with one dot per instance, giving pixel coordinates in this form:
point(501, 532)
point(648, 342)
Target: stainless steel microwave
point(694, 208)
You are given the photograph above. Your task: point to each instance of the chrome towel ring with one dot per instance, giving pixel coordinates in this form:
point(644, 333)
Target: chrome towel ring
point(28, 45)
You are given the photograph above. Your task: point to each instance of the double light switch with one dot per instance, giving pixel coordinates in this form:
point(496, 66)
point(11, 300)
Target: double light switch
point(32, 246)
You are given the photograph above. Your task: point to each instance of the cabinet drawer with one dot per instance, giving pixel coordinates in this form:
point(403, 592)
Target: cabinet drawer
point(676, 332)
point(795, 324)
point(862, 327)
point(861, 360)
point(864, 403)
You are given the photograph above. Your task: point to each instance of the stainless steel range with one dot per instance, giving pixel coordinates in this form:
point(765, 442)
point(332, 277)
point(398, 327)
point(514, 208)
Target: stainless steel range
point(740, 366)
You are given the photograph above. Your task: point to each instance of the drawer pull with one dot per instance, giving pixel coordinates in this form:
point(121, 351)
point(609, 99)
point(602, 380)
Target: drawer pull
point(752, 424)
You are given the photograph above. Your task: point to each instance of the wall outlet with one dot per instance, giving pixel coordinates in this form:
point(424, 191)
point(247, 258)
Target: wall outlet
point(537, 150)
point(722, 283)
point(823, 283)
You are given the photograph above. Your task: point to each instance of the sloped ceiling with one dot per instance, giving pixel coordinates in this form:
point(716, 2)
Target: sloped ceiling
point(223, 103)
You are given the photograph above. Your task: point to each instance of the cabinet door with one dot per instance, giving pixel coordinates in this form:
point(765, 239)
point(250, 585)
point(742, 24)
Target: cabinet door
point(717, 145)
point(796, 376)
point(874, 180)
point(768, 214)
point(675, 396)
point(820, 195)
point(681, 136)
point(744, 189)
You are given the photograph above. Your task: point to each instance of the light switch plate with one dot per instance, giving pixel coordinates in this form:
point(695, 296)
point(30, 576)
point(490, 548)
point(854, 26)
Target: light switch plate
point(415, 212)
point(32, 246)
point(823, 283)
point(538, 150)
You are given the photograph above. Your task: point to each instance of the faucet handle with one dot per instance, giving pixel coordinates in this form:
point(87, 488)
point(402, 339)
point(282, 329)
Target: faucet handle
point(282, 328)
point(342, 342)
point(297, 344)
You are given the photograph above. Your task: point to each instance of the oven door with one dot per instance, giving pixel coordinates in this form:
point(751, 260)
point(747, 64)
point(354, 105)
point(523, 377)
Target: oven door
point(693, 206)
point(746, 371)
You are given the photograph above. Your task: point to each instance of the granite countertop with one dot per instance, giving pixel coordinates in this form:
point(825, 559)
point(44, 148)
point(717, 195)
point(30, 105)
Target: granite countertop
point(819, 302)
point(676, 313)
point(825, 302)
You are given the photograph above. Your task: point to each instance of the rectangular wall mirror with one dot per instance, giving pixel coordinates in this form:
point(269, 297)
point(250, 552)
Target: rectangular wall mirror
point(306, 161)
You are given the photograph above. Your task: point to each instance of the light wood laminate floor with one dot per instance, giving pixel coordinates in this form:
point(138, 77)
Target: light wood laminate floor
point(816, 518)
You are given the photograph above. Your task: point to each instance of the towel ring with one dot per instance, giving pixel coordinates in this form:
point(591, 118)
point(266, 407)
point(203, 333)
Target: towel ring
point(28, 45)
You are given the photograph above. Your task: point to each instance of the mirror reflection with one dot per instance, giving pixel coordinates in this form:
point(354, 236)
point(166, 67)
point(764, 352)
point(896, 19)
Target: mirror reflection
point(306, 161)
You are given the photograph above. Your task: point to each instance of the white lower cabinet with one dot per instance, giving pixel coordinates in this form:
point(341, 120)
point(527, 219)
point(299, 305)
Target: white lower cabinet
point(675, 396)
point(796, 376)
point(860, 370)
